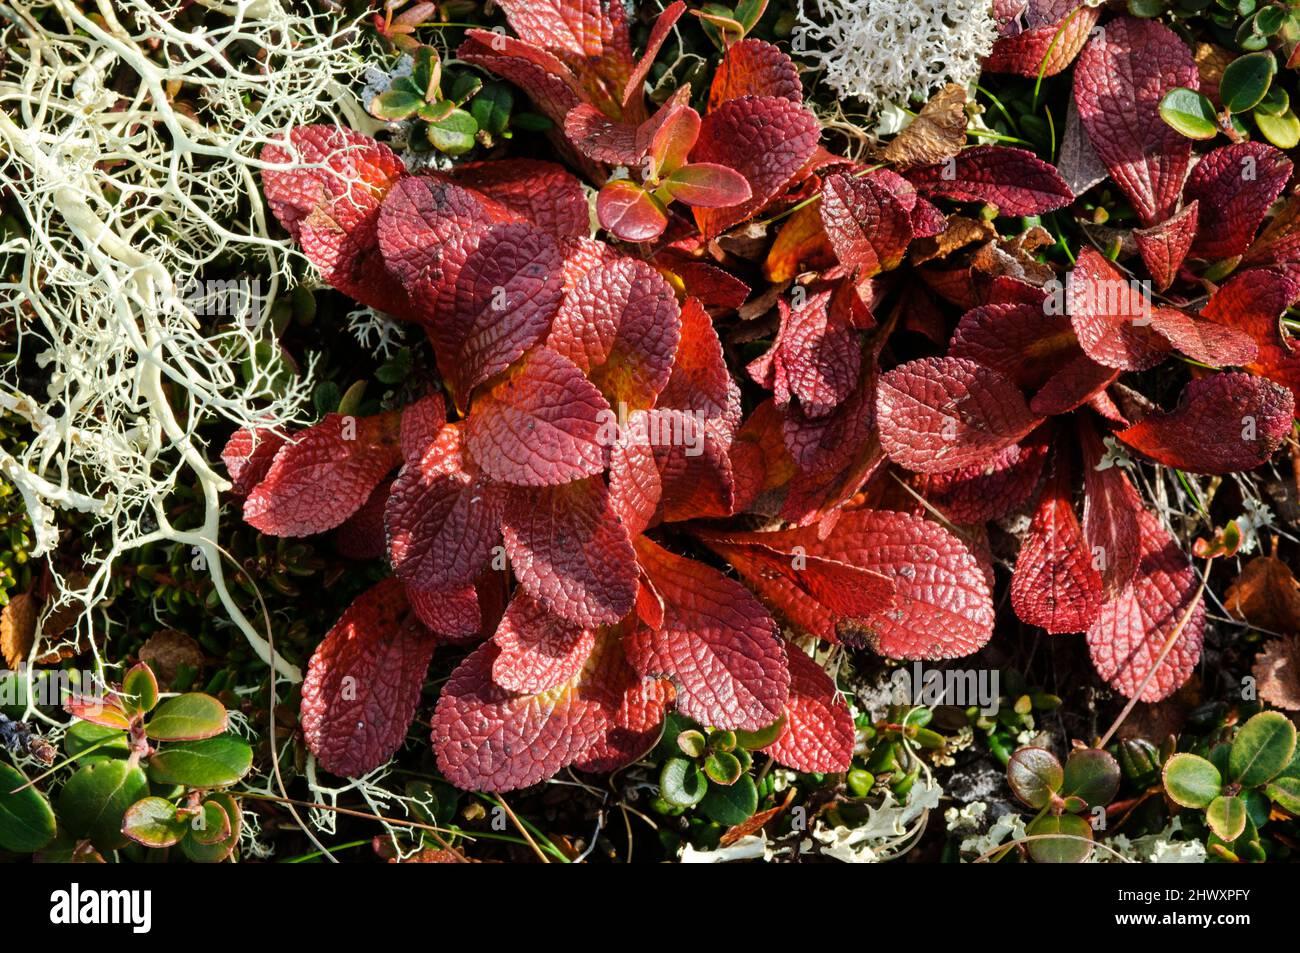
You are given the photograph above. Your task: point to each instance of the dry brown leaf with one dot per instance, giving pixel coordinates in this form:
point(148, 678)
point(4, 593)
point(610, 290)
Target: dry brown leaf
point(1277, 673)
point(1210, 62)
point(755, 823)
point(166, 651)
point(938, 132)
point(1266, 595)
point(961, 232)
point(18, 628)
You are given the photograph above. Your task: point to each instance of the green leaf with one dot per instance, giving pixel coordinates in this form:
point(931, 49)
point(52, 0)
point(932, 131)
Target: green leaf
point(395, 105)
point(95, 799)
point(1063, 850)
point(84, 735)
point(211, 825)
point(1226, 816)
point(1245, 81)
point(202, 853)
point(491, 108)
point(426, 72)
point(1275, 102)
point(732, 804)
point(188, 717)
point(140, 690)
point(455, 134)
point(1285, 793)
point(1189, 112)
point(682, 783)
point(753, 740)
point(1092, 775)
point(1269, 20)
point(1192, 781)
point(1034, 775)
point(691, 743)
point(723, 767)
point(1262, 748)
point(153, 822)
point(1282, 131)
point(211, 763)
point(26, 820)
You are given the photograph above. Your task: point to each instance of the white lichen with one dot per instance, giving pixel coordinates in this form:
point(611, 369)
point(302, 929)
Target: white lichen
point(893, 53)
point(129, 146)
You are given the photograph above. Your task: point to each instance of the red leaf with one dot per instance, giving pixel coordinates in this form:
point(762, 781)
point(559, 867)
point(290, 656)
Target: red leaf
point(629, 212)
point(1015, 180)
point(717, 643)
point(1077, 382)
point(1110, 514)
point(635, 486)
point(540, 424)
point(662, 29)
point(1279, 243)
point(1055, 585)
point(1225, 423)
point(364, 681)
point(1020, 340)
point(764, 138)
point(1252, 301)
point(825, 446)
point(570, 552)
point(754, 68)
point(637, 724)
point(330, 205)
point(988, 491)
point(819, 732)
point(1053, 34)
point(620, 324)
point(944, 413)
point(1236, 185)
point(361, 535)
point(1206, 341)
point(1111, 315)
point(489, 739)
point(943, 607)
point(324, 475)
point(421, 422)
point(817, 356)
point(1119, 81)
point(443, 517)
point(248, 455)
point(548, 81)
point(546, 194)
point(708, 185)
point(1164, 246)
point(1133, 628)
point(539, 651)
point(868, 225)
point(603, 139)
point(454, 615)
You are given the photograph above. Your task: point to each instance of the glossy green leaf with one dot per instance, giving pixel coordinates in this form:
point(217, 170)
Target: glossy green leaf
point(26, 820)
point(731, 804)
point(1191, 113)
point(691, 743)
point(199, 852)
point(1035, 775)
point(1285, 793)
point(1071, 842)
point(453, 135)
point(395, 105)
point(1246, 80)
point(491, 108)
point(84, 735)
point(1275, 102)
point(723, 767)
point(211, 763)
point(139, 690)
point(95, 799)
point(1262, 748)
point(682, 783)
point(153, 822)
point(1226, 816)
point(211, 825)
point(1192, 781)
point(1282, 130)
point(188, 717)
point(1092, 775)
point(753, 740)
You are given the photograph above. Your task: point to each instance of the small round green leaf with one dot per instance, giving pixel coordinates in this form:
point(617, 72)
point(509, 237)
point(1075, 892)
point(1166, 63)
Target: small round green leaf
point(1226, 817)
point(1189, 112)
point(1092, 775)
point(1282, 130)
point(188, 717)
point(26, 821)
point(691, 743)
point(682, 783)
point(211, 763)
point(1192, 781)
point(152, 821)
point(1246, 80)
point(723, 767)
point(95, 799)
point(84, 735)
point(1285, 793)
point(753, 740)
point(1034, 775)
point(1262, 748)
point(139, 690)
point(453, 135)
point(395, 105)
point(192, 846)
point(210, 825)
point(1072, 847)
point(731, 804)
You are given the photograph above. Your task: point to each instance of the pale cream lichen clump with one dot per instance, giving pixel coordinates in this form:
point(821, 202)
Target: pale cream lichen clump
point(894, 53)
point(132, 204)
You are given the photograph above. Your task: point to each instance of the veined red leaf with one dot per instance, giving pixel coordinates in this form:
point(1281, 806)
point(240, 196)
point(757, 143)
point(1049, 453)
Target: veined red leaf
point(603, 139)
point(943, 413)
point(662, 29)
point(717, 643)
point(1279, 243)
point(361, 535)
point(544, 193)
point(570, 552)
point(248, 455)
point(324, 475)
point(636, 725)
point(1163, 247)
point(1202, 340)
point(443, 516)
point(455, 615)
point(1055, 585)
point(1015, 180)
point(1078, 381)
point(1121, 76)
point(1252, 301)
point(545, 77)
point(421, 422)
point(540, 424)
point(620, 324)
point(1224, 423)
point(817, 356)
point(766, 139)
point(1236, 185)
point(629, 212)
point(992, 490)
point(363, 683)
point(1021, 340)
point(1111, 315)
point(635, 485)
point(1110, 514)
point(868, 225)
point(539, 650)
point(1134, 626)
point(753, 67)
point(819, 733)
point(1053, 33)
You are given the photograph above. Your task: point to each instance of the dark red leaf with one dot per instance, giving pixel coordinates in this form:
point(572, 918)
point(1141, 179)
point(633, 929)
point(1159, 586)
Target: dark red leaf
point(1111, 315)
point(1015, 180)
point(1252, 301)
point(421, 422)
point(1110, 514)
point(1236, 185)
point(988, 491)
point(1164, 246)
point(819, 732)
point(817, 356)
point(1202, 340)
point(868, 225)
point(455, 615)
point(1053, 33)
point(248, 455)
point(546, 194)
point(1020, 340)
point(755, 68)
point(539, 650)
